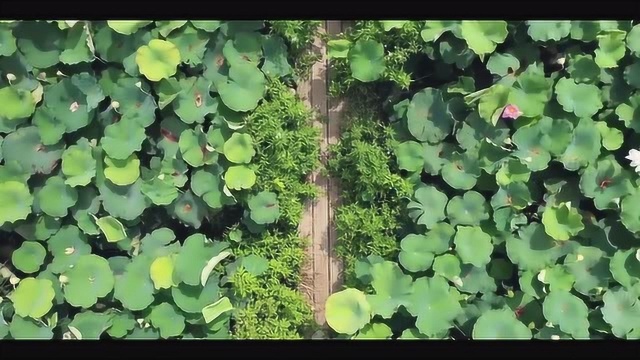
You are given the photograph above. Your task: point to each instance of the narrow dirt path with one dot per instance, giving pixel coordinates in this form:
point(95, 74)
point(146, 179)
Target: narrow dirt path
point(322, 273)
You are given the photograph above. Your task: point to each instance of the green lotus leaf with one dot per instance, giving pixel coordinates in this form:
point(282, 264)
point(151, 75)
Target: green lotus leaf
point(448, 266)
point(470, 209)
point(587, 31)
point(112, 229)
point(239, 148)
point(245, 47)
point(462, 170)
point(191, 43)
point(40, 42)
point(254, 264)
point(531, 91)
point(157, 240)
point(264, 208)
point(621, 310)
point(545, 30)
point(124, 202)
point(122, 139)
point(567, 311)
point(158, 60)
point(584, 148)
point(161, 272)
point(515, 195)
point(611, 48)
point(410, 156)
point(89, 325)
point(115, 47)
point(207, 183)
point(491, 156)
point(531, 151)
point(632, 74)
point(581, 99)
point(633, 40)
point(135, 106)
point(194, 101)
point(428, 206)
point(428, 118)
point(166, 27)
point(78, 164)
point(18, 103)
point(416, 253)
point(127, 27)
point(56, 197)
point(189, 209)
point(491, 102)
point(89, 86)
point(216, 66)
point(532, 249)
point(29, 329)
point(347, 311)
point(122, 172)
point(483, 36)
point(433, 29)
point(612, 138)
point(16, 200)
point(276, 61)
point(167, 319)
point(475, 131)
point(66, 109)
point(67, 246)
point(192, 299)
point(435, 304)
point(590, 268)
point(78, 46)
point(134, 289)
point(630, 211)
point(606, 182)
point(455, 51)
point(473, 245)
point(392, 289)
point(88, 204)
point(7, 42)
point(474, 280)
point(629, 112)
point(239, 177)
point(562, 222)
point(206, 25)
point(557, 277)
point(33, 297)
point(337, 48)
point(41, 227)
point(193, 257)
point(499, 64)
point(194, 148)
point(121, 324)
point(366, 60)
point(500, 324)
point(583, 69)
point(435, 156)
point(160, 191)
point(143, 333)
point(29, 257)
point(625, 269)
point(243, 88)
point(90, 279)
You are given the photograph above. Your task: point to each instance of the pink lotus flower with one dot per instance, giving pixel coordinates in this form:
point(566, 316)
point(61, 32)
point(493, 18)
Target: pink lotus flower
point(511, 112)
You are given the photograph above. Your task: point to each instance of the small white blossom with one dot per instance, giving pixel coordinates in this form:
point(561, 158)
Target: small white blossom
point(634, 156)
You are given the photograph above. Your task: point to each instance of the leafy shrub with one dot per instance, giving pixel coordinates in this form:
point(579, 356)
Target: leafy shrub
point(520, 143)
point(145, 190)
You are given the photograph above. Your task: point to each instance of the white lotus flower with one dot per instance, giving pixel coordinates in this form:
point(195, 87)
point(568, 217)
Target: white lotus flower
point(634, 156)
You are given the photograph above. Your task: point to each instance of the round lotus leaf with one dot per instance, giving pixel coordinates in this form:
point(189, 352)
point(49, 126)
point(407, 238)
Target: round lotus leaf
point(239, 177)
point(78, 47)
point(245, 47)
point(24, 147)
point(193, 257)
point(515, 195)
point(90, 279)
point(276, 59)
point(455, 51)
point(194, 101)
point(499, 64)
point(583, 69)
point(156, 240)
point(581, 99)
point(67, 246)
point(160, 191)
point(621, 310)
point(78, 164)
point(122, 172)
point(629, 113)
point(243, 88)
point(122, 139)
point(206, 25)
point(127, 27)
point(447, 266)
point(207, 183)
point(89, 325)
point(475, 131)
point(410, 156)
point(500, 324)
point(544, 30)
point(531, 92)
point(392, 289)
point(40, 42)
point(473, 245)
point(562, 222)
point(29, 329)
point(475, 280)
point(611, 48)
point(41, 227)
point(612, 138)
point(630, 211)
point(88, 204)
point(191, 42)
point(191, 299)
point(16, 200)
point(532, 249)
point(121, 324)
point(239, 148)
point(134, 289)
point(428, 206)
point(189, 209)
point(18, 103)
point(416, 253)
point(625, 268)
point(168, 319)
point(161, 272)
point(194, 148)
point(590, 268)
point(124, 202)
point(633, 40)
point(428, 118)
point(68, 110)
point(33, 297)
point(461, 171)
point(567, 311)
point(584, 147)
point(606, 182)
point(7, 42)
point(531, 150)
point(483, 36)
point(29, 257)
point(347, 311)
point(469, 209)
point(366, 60)
point(264, 208)
point(56, 197)
point(435, 304)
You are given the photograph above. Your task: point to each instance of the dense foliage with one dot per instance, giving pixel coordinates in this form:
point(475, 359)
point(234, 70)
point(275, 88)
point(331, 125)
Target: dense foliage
point(490, 179)
point(152, 179)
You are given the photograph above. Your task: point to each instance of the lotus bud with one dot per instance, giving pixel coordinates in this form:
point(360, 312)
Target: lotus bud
point(42, 76)
point(14, 280)
point(115, 104)
point(11, 77)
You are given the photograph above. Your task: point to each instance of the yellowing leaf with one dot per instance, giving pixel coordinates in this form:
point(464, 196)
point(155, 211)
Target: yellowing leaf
point(162, 272)
point(206, 271)
point(213, 311)
point(112, 229)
